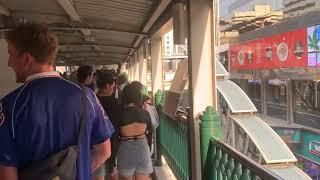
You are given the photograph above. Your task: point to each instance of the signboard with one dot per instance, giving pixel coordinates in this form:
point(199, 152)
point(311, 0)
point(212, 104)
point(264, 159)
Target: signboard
point(310, 146)
point(314, 148)
point(314, 46)
point(289, 49)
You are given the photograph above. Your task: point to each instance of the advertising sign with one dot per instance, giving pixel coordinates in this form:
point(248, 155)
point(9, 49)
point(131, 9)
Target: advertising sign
point(314, 148)
point(310, 146)
point(289, 49)
point(314, 46)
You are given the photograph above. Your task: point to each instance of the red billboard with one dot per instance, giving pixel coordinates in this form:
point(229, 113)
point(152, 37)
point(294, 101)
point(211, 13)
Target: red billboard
point(284, 50)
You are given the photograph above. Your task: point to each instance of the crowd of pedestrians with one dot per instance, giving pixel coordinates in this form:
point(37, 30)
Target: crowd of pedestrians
point(98, 126)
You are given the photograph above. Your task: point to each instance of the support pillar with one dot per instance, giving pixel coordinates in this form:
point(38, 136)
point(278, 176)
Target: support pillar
point(142, 67)
point(130, 70)
point(136, 67)
point(124, 68)
point(156, 64)
point(202, 91)
point(264, 90)
point(290, 100)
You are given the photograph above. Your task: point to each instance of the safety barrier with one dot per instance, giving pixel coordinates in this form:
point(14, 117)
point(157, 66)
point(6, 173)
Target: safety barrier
point(223, 163)
point(174, 145)
point(173, 141)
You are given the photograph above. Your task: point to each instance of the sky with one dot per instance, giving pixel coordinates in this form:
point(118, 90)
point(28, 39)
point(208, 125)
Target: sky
point(226, 6)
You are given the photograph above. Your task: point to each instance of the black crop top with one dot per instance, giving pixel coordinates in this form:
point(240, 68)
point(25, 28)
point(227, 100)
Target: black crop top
point(134, 114)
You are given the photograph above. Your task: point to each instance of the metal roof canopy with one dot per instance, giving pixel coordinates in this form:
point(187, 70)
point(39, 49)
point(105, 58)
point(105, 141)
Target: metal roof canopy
point(220, 70)
point(111, 29)
point(272, 147)
point(236, 98)
point(291, 172)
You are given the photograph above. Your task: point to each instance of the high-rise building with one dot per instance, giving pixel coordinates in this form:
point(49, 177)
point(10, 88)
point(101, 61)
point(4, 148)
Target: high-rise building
point(294, 8)
point(172, 54)
point(229, 7)
point(244, 21)
point(170, 50)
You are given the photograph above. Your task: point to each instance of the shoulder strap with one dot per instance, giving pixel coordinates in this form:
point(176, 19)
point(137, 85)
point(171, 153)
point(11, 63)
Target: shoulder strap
point(83, 115)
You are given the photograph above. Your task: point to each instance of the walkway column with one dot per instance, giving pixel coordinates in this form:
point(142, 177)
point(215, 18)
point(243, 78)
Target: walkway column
point(291, 101)
point(202, 89)
point(156, 64)
point(124, 68)
point(130, 70)
point(264, 90)
point(142, 67)
point(136, 66)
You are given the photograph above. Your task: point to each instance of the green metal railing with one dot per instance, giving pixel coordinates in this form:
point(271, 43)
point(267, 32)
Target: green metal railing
point(174, 145)
point(224, 163)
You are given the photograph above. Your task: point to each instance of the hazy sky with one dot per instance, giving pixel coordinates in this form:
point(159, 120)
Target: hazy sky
point(226, 6)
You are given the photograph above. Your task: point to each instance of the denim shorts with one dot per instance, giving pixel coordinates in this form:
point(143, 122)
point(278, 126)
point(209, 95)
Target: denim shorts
point(101, 171)
point(134, 158)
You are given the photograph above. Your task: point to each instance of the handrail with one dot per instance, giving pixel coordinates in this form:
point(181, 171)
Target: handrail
point(221, 154)
point(174, 144)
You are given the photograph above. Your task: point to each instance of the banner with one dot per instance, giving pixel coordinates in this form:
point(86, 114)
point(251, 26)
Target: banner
point(289, 49)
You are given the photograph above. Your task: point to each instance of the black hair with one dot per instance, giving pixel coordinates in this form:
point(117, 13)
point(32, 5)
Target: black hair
point(131, 94)
point(137, 85)
point(104, 78)
point(84, 72)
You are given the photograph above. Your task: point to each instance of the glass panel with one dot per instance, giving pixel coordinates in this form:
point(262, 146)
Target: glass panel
point(307, 103)
point(291, 172)
point(235, 97)
point(277, 99)
point(273, 149)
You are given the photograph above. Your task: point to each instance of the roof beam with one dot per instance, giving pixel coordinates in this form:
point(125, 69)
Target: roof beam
point(88, 57)
point(92, 52)
point(85, 58)
point(89, 61)
point(85, 30)
point(92, 45)
point(68, 7)
point(72, 12)
point(156, 14)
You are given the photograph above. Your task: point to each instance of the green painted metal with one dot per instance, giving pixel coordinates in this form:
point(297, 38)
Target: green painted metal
point(158, 98)
point(174, 145)
point(223, 165)
point(210, 126)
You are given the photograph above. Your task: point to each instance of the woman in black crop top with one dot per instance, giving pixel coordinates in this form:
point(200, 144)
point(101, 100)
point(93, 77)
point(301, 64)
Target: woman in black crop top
point(134, 157)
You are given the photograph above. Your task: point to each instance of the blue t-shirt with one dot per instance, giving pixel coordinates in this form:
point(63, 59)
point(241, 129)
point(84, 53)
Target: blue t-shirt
point(43, 117)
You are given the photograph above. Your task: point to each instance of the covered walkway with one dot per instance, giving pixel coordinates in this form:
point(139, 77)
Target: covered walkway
point(128, 33)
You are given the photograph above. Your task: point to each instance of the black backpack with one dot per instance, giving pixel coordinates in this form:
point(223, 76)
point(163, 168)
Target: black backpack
point(61, 165)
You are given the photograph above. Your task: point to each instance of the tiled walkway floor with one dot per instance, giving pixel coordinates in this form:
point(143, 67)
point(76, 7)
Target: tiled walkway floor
point(164, 172)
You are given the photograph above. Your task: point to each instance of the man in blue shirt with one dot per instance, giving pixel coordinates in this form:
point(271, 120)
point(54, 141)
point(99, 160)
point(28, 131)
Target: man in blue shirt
point(43, 115)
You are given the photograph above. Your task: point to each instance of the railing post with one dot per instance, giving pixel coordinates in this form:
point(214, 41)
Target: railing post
point(158, 98)
point(158, 104)
point(210, 126)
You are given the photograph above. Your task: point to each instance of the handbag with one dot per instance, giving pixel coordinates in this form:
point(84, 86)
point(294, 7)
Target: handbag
point(61, 165)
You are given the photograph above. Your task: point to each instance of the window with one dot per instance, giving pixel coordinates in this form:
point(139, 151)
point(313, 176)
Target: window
point(277, 99)
point(307, 98)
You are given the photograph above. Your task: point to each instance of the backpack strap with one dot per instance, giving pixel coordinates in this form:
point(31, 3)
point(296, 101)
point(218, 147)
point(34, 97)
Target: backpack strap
point(84, 116)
